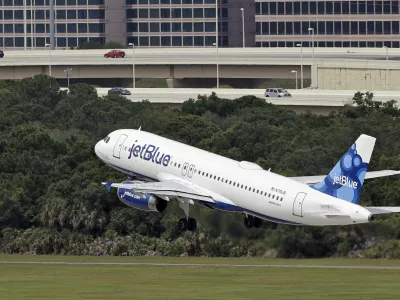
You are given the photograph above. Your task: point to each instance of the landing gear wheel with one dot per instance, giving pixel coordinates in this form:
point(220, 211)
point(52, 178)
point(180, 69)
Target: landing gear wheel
point(192, 224)
point(249, 222)
point(183, 224)
point(258, 222)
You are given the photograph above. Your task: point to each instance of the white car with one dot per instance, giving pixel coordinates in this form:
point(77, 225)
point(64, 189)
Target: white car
point(277, 92)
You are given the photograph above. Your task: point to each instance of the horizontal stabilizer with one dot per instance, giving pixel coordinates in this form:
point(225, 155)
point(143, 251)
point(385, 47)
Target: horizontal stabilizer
point(369, 175)
point(383, 209)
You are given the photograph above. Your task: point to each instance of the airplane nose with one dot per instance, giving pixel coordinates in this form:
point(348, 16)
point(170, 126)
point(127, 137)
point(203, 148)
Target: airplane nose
point(96, 148)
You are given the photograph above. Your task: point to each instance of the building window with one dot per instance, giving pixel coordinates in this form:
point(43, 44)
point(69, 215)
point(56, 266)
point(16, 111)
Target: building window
point(82, 27)
point(61, 28)
point(143, 13)
point(154, 27)
point(154, 13)
point(187, 13)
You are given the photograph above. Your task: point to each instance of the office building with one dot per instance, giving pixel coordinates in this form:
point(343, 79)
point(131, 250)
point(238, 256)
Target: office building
point(77, 21)
point(334, 23)
point(146, 23)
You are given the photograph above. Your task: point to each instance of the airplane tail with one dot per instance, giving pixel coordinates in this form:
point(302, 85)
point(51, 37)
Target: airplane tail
point(346, 179)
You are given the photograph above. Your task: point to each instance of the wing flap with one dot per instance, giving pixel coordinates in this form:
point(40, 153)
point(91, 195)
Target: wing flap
point(170, 188)
point(369, 175)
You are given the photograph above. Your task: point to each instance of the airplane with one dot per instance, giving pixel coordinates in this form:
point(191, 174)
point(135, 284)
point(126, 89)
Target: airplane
point(159, 169)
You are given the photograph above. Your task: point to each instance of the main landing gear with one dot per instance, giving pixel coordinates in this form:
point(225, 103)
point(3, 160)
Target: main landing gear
point(186, 224)
point(251, 221)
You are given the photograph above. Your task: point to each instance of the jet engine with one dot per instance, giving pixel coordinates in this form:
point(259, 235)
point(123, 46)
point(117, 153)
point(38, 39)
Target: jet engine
point(146, 202)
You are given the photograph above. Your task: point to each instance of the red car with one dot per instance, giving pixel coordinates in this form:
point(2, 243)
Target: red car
point(115, 54)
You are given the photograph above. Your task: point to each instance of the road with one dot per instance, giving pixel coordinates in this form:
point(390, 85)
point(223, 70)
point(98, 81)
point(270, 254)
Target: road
point(228, 56)
point(331, 98)
point(203, 265)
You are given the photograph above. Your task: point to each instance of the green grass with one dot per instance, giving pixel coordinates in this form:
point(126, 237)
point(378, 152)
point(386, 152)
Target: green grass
point(28, 281)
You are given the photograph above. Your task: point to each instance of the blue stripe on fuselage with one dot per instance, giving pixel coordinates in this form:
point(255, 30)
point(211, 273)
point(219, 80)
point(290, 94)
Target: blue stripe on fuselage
point(237, 209)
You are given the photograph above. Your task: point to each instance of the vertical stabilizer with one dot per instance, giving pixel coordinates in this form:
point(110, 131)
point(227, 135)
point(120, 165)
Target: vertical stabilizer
point(346, 179)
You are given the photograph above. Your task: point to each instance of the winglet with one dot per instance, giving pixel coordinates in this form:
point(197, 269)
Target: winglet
point(108, 185)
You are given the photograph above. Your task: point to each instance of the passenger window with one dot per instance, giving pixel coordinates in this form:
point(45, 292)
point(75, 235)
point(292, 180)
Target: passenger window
point(273, 196)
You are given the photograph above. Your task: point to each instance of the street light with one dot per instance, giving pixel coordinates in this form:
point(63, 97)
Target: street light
point(301, 58)
point(25, 45)
point(216, 44)
point(312, 70)
point(244, 44)
point(294, 71)
point(133, 65)
point(48, 45)
point(387, 67)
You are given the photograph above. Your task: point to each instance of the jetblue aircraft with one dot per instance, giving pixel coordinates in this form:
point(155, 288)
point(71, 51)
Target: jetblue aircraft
point(160, 169)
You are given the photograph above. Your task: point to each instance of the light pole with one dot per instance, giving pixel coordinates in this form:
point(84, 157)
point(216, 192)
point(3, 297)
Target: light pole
point(48, 45)
point(216, 44)
point(32, 43)
point(133, 65)
point(301, 59)
point(294, 71)
point(25, 45)
point(387, 67)
point(312, 69)
point(67, 72)
point(244, 39)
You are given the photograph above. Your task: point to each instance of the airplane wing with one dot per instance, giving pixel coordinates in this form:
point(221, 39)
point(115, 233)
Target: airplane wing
point(369, 175)
point(169, 188)
point(382, 209)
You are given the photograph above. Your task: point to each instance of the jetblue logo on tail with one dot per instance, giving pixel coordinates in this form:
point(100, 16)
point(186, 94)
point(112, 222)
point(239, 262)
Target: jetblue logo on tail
point(345, 181)
point(150, 153)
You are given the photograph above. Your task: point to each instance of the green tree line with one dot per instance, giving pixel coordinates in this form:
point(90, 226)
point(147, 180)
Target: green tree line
point(52, 200)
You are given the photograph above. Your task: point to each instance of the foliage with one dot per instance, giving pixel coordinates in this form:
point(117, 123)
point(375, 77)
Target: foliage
point(51, 199)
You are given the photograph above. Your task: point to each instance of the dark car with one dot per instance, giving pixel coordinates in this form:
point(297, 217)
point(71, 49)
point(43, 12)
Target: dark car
point(1, 54)
point(115, 53)
point(118, 91)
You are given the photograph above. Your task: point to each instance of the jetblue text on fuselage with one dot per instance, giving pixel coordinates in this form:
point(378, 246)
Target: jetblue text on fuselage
point(149, 153)
point(129, 194)
point(345, 181)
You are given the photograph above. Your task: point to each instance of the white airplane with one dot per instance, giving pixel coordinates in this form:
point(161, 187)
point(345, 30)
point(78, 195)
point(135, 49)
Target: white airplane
point(167, 169)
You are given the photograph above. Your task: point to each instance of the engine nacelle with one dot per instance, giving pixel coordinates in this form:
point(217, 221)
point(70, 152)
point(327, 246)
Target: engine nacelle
point(146, 202)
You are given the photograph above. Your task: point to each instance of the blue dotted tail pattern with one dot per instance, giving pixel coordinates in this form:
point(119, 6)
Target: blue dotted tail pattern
point(346, 179)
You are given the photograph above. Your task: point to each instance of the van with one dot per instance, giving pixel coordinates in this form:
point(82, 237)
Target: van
point(277, 92)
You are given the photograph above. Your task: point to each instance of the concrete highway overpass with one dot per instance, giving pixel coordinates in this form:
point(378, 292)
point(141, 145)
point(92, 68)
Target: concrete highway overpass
point(335, 68)
point(315, 101)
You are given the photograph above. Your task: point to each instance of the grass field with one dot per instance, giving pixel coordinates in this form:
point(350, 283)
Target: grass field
point(55, 281)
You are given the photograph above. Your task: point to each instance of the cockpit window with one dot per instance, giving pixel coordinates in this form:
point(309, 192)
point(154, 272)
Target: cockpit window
point(106, 139)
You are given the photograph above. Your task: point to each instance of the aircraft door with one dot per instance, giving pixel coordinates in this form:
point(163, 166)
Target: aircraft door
point(191, 170)
point(118, 146)
point(298, 204)
point(185, 168)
